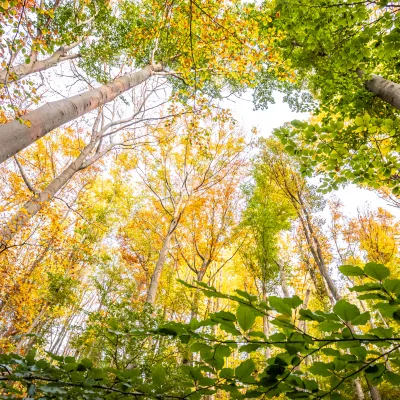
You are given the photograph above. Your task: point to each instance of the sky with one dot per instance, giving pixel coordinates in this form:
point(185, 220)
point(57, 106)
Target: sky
point(275, 116)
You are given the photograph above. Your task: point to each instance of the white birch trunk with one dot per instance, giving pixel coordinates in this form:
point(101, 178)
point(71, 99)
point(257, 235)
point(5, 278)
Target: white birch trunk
point(15, 136)
point(388, 91)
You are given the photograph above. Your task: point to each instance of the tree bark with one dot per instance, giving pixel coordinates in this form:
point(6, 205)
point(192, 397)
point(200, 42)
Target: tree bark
point(18, 72)
point(15, 135)
point(36, 203)
point(387, 90)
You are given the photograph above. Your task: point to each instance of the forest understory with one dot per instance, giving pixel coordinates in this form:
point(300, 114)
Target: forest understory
point(154, 246)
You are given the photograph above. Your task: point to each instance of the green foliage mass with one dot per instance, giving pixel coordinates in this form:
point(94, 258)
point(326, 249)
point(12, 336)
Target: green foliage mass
point(324, 44)
point(363, 151)
point(320, 362)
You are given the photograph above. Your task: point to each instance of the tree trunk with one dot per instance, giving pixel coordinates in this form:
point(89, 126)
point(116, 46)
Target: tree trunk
point(387, 90)
point(266, 327)
point(358, 389)
point(15, 135)
point(316, 251)
point(282, 277)
point(36, 203)
point(155, 278)
point(20, 71)
point(332, 290)
point(200, 275)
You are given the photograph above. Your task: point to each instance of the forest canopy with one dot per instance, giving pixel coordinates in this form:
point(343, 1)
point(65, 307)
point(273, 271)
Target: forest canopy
point(153, 246)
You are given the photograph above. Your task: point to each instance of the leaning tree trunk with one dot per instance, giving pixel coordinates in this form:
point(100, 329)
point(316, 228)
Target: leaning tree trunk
point(387, 90)
point(15, 135)
point(36, 203)
point(318, 256)
point(20, 71)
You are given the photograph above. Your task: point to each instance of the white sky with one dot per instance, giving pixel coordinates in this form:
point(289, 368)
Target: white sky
point(276, 115)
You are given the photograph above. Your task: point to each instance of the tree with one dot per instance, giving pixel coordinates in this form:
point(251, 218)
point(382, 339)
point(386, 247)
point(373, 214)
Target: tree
point(190, 157)
point(104, 137)
point(337, 50)
point(157, 29)
point(208, 237)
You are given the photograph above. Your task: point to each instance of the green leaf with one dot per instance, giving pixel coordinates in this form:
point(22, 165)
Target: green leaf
point(331, 352)
point(393, 378)
point(350, 270)
point(248, 296)
point(158, 375)
point(362, 319)
point(223, 315)
point(30, 357)
point(98, 374)
point(249, 348)
point(360, 352)
point(366, 287)
point(330, 326)
point(227, 373)
point(293, 302)
point(245, 317)
point(297, 395)
point(205, 381)
point(278, 304)
point(204, 349)
point(86, 363)
point(222, 351)
point(307, 315)
point(337, 396)
point(376, 271)
point(372, 296)
point(382, 332)
point(229, 327)
point(375, 371)
point(392, 286)
point(245, 369)
point(322, 369)
point(346, 311)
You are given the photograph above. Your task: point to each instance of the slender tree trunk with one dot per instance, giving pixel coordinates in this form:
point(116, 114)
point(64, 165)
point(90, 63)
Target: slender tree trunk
point(303, 324)
point(387, 90)
point(15, 135)
point(316, 251)
point(266, 327)
point(155, 278)
point(282, 277)
point(20, 71)
point(200, 275)
point(36, 203)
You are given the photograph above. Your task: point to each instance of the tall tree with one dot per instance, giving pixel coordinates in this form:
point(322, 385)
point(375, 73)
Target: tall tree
point(105, 136)
point(162, 46)
point(191, 156)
